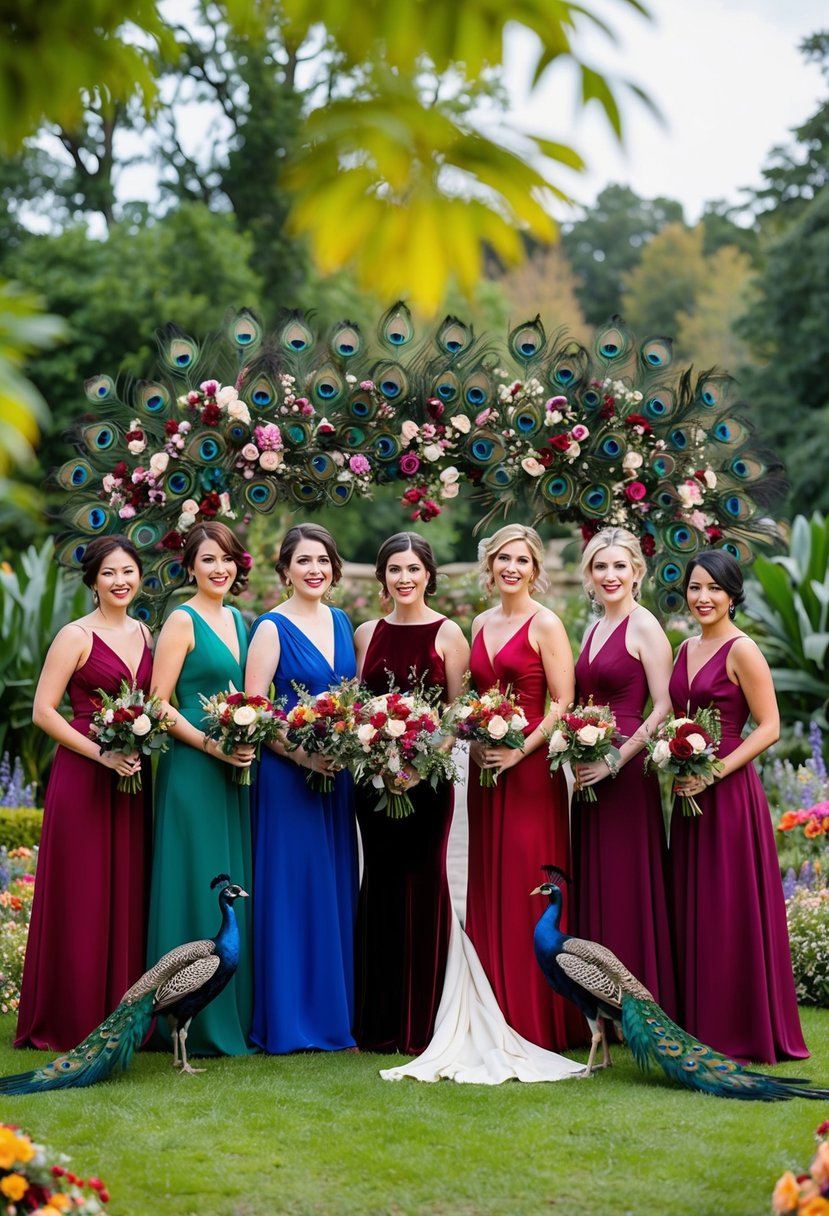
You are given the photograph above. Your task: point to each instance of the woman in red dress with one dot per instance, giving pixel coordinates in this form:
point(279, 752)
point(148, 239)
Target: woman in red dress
point(404, 912)
point(521, 823)
point(87, 936)
point(619, 843)
point(736, 990)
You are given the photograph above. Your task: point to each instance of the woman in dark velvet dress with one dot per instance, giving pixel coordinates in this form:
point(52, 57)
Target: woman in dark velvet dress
point(619, 841)
point(404, 912)
point(87, 936)
point(521, 823)
point(736, 990)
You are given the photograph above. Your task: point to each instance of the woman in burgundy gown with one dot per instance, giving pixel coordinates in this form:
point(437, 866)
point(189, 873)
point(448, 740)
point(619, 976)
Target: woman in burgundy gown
point(87, 936)
point(404, 912)
point(521, 823)
point(736, 990)
point(619, 842)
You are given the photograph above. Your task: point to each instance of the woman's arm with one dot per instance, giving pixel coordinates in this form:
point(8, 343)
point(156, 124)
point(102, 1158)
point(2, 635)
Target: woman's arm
point(362, 639)
point(747, 665)
point(69, 649)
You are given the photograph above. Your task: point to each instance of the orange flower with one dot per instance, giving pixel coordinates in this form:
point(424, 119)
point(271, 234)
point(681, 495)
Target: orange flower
point(786, 1193)
point(812, 829)
point(790, 820)
point(14, 1186)
point(820, 1166)
point(816, 1205)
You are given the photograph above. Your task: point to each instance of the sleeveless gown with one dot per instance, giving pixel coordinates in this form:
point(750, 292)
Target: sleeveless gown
point(736, 990)
point(514, 829)
point(405, 912)
point(202, 829)
point(305, 865)
point(87, 934)
point(619, 845)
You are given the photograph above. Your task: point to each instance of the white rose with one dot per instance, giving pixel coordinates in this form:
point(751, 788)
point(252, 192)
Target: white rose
point(450, 490)
point(190, 505)
point(250, 452)
point(461, 423)
point(497, 727)
point(158, 463)
point(677, 722)
point(449, 476)
point(697, 743)
point(239, 412)
point(558, 742)
point(464, 712)
point(517, 722)
point(710, 479)
point(409, 430)
point(394, 763)
point(226, 396)
point(109, 715)
point(136, 446)
point(365, 734)
point(432, 452)
point(574, 450)
point(245, 715)
point(588, 735)
point(186, 520)
point(632, 460)
point(395, 727)
point(142, 725)
point(270, 461)
point(661, 754)
point(108, 483)
point(532, 466)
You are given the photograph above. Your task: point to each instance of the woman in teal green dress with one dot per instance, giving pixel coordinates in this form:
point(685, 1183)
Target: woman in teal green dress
point(202, 817)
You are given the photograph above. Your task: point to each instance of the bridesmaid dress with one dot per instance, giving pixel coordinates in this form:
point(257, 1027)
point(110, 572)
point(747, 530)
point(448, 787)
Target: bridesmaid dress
point(405, 912)
point(86, 939)
point(514, 829)
point(736, 990)
point(619, 846)
point(202, 828)
point(305, 867)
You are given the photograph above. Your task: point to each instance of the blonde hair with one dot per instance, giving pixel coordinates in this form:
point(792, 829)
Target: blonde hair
point(490, 545)
point(618, 538)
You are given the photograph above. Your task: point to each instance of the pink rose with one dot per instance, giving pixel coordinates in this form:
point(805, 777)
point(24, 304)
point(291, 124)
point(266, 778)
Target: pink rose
point(409, 464)
point(636, 491)
point(409, 430)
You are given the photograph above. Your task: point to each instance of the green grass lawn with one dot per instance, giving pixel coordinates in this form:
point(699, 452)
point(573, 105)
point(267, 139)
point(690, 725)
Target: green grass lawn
point(323, 1134)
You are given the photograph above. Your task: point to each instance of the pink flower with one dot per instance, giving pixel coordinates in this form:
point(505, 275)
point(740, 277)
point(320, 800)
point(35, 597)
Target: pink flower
point(580, 432)
point(484, 417)
point(366, 385)
point(250, 452)
point(556, 403)
point(209, 387)
point(359, 465)
point(127, 512)
point(409, 464)
point(636, 491)
point(306, 409)
point(409, 430)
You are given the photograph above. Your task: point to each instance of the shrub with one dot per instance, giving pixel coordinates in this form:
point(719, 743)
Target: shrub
point(808, 917)
point(20, 827)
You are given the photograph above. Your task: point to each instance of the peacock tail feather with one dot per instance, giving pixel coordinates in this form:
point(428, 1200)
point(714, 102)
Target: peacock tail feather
point(654, 1038)
point(109, 1047)
point(606, 434)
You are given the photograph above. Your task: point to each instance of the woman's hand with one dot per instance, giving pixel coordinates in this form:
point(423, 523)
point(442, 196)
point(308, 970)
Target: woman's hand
point(689, 787)
point(412, 779)
point(241, 756)
point(590, 774)
point(327, 766)
point(500, 758)
point(125, 764)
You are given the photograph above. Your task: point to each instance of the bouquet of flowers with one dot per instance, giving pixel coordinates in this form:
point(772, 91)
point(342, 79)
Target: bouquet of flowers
point(28, 1183)
point(584, 735)
point(397, 734)
point(233, 719)
point(324, 724)
point(494, 719)
point(687, 747)
point(130, 722)
point(807, 1192)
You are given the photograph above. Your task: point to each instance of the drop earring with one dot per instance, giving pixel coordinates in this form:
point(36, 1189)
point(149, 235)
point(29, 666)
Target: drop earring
point(95, 598)
point(732, 610)
point(595, 606)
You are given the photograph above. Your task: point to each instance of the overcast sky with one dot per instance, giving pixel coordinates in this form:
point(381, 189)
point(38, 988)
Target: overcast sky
point(726, 75)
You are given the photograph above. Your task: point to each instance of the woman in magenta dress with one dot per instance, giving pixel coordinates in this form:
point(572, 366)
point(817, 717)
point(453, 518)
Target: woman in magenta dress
point(404, 912)
point(619, 842)
point(87, 935)
point(736, 990)
point(521, 823)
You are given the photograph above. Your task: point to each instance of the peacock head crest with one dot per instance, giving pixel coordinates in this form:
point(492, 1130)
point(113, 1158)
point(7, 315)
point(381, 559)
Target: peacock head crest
point(556, 880)
point(228, 889)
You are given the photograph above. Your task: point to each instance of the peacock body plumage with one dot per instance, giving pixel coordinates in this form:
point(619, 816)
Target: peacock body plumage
point(599, 435)
point(182, 982)
point(599, 984)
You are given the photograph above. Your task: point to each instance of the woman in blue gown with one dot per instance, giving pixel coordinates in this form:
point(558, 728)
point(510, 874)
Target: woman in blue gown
point(304, 842)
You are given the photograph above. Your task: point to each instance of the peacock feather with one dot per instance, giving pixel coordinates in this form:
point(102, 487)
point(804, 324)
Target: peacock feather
point(608, 433)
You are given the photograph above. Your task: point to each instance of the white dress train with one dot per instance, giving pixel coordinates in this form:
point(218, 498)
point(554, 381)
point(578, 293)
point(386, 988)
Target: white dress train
point(472, 1042)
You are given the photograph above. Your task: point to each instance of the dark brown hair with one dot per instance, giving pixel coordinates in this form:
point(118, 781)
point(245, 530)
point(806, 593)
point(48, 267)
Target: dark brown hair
point(723, 568)
point(399, 543)
point(293, 538)
point(99, 549)
point(221, 535)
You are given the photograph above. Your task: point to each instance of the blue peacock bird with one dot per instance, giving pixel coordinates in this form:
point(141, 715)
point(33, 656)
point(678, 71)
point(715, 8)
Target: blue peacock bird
point(537, 424)
point(179, 986)
point(593, 978)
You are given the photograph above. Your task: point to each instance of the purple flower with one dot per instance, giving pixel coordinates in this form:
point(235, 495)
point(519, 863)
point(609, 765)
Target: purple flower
point(359, 465)
point(409, 464)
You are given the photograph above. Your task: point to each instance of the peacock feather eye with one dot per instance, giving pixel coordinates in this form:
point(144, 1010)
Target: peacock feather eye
point(296, 433)
point(261, 394)
point(730, 431)
point(713, 391)
point(613, 342)
point(396, 329)
point(595, 501)
point(590, 399)
point(662, 464)
point(568, 367)
point(346, 340)
point(75, 474)
point(327, 387)
point(152, 398)
point(362, 407)
point(386, 446)
point(485, 447)
point(321, 466)
point(99, 388)
point(245, 330)
point(353, 437)
point(261, 493)
point(656, 353)
point(478, 390)
point(558, 489)
point(679, 438)
point(307, 493)
point(392, 381)
point(144, 534)
point(179, 484)
point(681, 538)
point(99, 438)
point(527, 340)
point(295, 336)
point(454, 336)
point(498, 477)
point(339, 492)
point(446, 387)
point(528, 420)
point(612, 447)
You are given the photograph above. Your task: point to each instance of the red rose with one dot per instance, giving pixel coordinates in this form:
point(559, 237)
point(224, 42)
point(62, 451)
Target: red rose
point(173, 541)
point(235, 698)
point(414, 494)
point(561, 442)
point(714, 534)
point(680, 748)
point(210, 504)
point(378, 721)
point(639, 420)
point(171, 427)
point(648, 545)
point(434, 408)
point(545, 457)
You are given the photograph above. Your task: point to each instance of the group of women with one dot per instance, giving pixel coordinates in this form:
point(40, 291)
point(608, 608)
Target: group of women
point(332, 960)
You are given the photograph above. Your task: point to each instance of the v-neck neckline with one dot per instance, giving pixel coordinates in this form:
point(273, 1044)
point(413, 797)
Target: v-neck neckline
point(692, 679)
point(132, 674)
point(331, 663)
point(237, 658)
point(591, 658)
point(507, 642)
